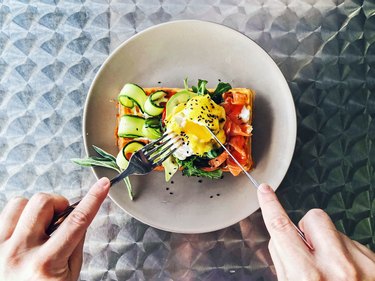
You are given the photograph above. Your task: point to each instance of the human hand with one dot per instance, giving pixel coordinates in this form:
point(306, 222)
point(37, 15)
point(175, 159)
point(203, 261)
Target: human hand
point(335, 256)
point(28, 253)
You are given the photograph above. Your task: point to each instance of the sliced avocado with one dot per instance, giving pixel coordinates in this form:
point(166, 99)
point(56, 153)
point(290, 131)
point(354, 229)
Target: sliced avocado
point(170, 167)
point(177, 98)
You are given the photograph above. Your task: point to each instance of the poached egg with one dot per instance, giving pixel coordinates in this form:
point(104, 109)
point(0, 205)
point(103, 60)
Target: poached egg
point(189, 120)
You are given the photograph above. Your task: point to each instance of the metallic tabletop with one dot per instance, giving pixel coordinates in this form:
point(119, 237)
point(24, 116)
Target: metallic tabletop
point(50, 51)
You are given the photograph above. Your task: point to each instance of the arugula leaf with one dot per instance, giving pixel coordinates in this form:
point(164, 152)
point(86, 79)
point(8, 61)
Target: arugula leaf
point(186, 84)
point(221, 88)
point(190, 169)
point(201, 89)
point(214, 153)
point(216, 96)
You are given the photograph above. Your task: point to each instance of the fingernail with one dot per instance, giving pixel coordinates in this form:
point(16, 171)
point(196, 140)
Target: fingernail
point(103, 182)
point(265, 188)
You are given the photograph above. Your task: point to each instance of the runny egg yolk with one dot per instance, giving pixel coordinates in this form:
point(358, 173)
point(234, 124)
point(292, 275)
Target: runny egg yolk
point(190, 119)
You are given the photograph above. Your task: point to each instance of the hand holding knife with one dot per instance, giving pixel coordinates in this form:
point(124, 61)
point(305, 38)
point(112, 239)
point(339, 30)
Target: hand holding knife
point(256, 185)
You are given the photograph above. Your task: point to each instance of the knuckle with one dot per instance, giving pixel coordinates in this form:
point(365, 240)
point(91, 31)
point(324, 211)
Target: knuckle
point(41, 264)
point(316, 213)
point(95, 195)
point(16, 202)
point(79, 218)
point(42, 199)
point(269, 200)
point(18, 199)
point(13, 261)
point(348, 272)
point(313, 275)
point(11, 254)
point(280, 223)
point(47, 262)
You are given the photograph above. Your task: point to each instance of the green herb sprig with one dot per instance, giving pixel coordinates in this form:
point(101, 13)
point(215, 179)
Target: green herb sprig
point(105, 160)
point(216, 95)
point(221, 88)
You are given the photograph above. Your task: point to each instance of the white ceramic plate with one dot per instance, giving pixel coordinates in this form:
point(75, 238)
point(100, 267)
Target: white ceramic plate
point(168, 53)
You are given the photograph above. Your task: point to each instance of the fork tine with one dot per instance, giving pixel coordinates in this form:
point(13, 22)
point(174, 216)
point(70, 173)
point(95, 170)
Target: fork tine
point(156, 146)
point(174, 141)
point(157, 151)
point(165, 157)
point(151, 144)
point(160, 153)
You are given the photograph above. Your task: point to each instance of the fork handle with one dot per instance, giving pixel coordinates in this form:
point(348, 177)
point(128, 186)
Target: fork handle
point(58, 219)
point(127, 172)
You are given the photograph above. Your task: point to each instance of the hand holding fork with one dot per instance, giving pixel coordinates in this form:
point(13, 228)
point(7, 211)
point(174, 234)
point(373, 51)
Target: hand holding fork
point(141, 162)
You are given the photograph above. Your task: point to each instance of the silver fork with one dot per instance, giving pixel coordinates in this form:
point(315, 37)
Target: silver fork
point(141, 162)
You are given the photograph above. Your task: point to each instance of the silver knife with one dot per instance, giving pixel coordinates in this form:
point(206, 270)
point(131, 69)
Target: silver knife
point(255, 183)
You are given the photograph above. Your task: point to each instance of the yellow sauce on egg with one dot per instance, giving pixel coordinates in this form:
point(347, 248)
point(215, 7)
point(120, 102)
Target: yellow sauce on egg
point(190, 119)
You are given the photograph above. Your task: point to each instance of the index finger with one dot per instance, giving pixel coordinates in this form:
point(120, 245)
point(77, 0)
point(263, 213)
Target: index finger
point(66, 238)
point(279, 226)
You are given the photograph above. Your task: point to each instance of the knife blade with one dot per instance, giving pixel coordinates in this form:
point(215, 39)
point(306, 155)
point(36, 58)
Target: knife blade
point(253, 181)
point(256, 184)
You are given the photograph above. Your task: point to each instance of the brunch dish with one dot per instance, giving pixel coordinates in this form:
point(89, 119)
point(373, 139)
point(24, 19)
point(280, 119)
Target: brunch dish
point(159, 58)
point(145, 114)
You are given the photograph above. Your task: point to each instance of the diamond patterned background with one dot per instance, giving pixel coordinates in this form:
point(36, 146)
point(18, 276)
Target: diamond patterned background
point(50, 51)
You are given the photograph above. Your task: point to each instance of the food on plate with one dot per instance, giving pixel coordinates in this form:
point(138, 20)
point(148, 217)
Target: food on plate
point(146, 113)
point(189, 119)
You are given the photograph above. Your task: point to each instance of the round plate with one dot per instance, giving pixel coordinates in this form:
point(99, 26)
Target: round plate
point(164, 55)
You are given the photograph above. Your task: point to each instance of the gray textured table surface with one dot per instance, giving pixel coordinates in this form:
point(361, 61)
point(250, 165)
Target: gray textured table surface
point(50, 51)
